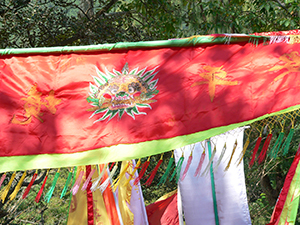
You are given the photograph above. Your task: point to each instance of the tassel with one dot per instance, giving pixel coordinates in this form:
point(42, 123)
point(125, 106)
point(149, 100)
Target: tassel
point(142, 172)
point(39, 194)
point(76, 186)
point(2, 179)
point(88, 179)
point(105, 184)
point(118, 179)
point(220, 158)
point(166, 174)
point(277, 144)
point(51, 190)
point(29, 185)
point(233, 150)
point(64, 191)
point(209, 162)
point(6, 189)
point(187, 166)
point(287, 142)
point(177, 168)
point(95, 183)
point(133, 172)
point(17, 188)
point(198, 170)
point(111, 166)
point(152, 175)
point(255, 151)
point(264, 149)
point(244, 151)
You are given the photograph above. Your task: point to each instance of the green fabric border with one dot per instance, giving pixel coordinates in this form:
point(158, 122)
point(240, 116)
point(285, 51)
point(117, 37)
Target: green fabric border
point(183, 42)
point(118, 152)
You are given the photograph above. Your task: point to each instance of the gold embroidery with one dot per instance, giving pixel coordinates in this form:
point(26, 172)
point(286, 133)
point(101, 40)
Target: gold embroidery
point(212, 77)
point(292, 64)
point(34, 103)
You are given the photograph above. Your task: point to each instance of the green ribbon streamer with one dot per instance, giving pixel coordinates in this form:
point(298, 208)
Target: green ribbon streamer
point(51, 190)
point(213, 185)
point(64, 191)
point(169, 168)
point(178, 168)
point(287, 142)
point(276, 146)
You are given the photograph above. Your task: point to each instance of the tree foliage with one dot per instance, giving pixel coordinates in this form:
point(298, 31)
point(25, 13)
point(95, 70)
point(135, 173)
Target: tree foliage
point(41, 23)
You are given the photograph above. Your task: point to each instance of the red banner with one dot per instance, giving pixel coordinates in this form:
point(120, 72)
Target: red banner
point(62, 103)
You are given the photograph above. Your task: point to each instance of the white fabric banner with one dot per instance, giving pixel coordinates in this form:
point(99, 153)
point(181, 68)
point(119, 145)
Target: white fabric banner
point(230, 189)
point(137, 205)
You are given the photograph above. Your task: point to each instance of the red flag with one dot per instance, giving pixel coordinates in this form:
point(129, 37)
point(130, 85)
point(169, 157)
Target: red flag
point(64, 107)
point(284, 192)
point(164, 211)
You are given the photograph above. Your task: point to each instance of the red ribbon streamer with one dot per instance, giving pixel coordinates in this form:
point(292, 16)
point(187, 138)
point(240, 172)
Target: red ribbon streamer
point(142, 172)
point(263, 152)
point(150, 179)
point(255, 151)
point(29, 186)
point(39, 194)
point(89, 195)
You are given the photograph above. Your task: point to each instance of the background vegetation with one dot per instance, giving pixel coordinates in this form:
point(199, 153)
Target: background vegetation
point(40, 23)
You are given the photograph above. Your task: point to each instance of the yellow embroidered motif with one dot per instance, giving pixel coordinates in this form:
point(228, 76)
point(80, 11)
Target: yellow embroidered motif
point(292, 64)
point(212, 77)
point(34, 103)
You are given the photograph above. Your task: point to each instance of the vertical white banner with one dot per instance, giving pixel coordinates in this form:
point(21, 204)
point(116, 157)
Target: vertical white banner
point(230, 190)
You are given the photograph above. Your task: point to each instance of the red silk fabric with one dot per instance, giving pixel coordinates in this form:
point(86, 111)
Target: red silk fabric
point(163, 212)
point(90, 202)
point(199, 88)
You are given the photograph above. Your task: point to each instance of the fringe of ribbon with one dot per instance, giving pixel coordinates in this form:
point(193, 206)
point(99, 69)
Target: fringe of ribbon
point(17, 188)
point(2, 179)
point(77, 183)
point(170, 165)
point(116, 182)
point(177, 169)
point(198, 170)
point(64, 191)
point(131, 175)
point(39, 194)
point(264, 149)
point(51, 190)
point(143, 171)
point(152, 175)
point(244, 151)
point(88, 179)
point(105, 184)
point(255, 151)
point(29, 185)
point(98, 180)
point(220, 158)
point(3, 193)
point(206, 170)
point(277, 145)
point(287, 142)
point(231, 157)
point(187, 166)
